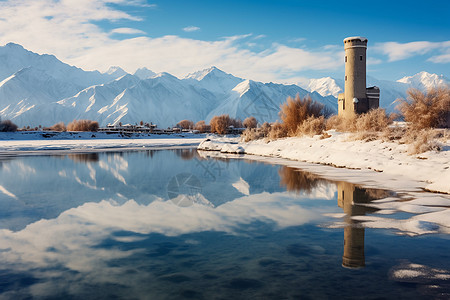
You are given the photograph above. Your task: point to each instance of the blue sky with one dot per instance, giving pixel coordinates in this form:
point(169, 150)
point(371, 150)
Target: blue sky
point(281, 41)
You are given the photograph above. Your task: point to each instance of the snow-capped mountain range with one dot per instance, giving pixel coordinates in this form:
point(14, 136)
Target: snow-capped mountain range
point(41, 90)
point(389, 90)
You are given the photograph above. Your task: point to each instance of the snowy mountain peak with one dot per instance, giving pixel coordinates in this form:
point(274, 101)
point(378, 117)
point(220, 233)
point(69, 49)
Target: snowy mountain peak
point(424, 80)
point(144, 73)
point(243, 87)
point(165, 75)
point(325, 86)
point(209, 72)
point(213, 80)
point(14, 57)
point(116, 72)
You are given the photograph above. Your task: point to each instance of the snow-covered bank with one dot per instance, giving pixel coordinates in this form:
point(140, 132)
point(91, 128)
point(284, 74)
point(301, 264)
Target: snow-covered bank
point(88, 141)
point(429, 170)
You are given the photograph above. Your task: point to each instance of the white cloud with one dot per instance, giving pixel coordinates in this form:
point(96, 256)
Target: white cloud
point(191, 28)
point(126, 30)
point(141, 3)
point(399, 51)
point(258, 37)
point(69, 30)
point(440, 59)
point(297, 40)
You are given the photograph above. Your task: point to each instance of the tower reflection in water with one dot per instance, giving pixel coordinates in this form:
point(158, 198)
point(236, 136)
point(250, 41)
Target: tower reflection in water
point(351, 198)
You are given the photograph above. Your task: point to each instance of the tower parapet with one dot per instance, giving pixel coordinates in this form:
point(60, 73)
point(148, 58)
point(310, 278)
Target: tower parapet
point(356, 98)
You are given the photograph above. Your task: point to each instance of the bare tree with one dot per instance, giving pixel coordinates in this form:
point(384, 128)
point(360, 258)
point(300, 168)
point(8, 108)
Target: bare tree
point(202, 127)
point(220, 124)
point(250, 122)
point(7, 125)
point(185, 124)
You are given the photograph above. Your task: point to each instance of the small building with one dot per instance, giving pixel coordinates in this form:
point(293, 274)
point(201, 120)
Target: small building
point(357, 98)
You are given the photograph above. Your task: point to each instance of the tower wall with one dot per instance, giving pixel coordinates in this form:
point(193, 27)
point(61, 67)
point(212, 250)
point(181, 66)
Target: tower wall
point(355, 76)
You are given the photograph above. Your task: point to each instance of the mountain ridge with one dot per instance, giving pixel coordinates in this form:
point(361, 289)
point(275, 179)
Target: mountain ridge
point(47, 91)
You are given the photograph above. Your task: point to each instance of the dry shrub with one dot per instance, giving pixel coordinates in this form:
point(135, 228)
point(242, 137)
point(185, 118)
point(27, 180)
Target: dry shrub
point(57, 127)
point(375, 120)
point(252, 134)
point(299, 117)
point(185, 124)
point(295, 111)
point(341, 123)
point(265, 128)
point(277, 131)
point(421, 140)
point(250, 122)
point(7, 126)
point(430, 110)
point(236, 123)
point(333, 122)
point(311, 126)
point(393, 133)
point(82, 125)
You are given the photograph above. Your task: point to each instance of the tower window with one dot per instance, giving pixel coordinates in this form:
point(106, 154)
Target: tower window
point(360, 57)
point(345, 77)
point(345, 58)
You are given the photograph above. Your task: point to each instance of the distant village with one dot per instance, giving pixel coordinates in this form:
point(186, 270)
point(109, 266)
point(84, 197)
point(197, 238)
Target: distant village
point(153, 129)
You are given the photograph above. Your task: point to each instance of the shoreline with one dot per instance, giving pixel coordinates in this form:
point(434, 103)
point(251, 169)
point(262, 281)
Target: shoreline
point(427, 208)
point(20, 144)
point(376, 160)
point(335, 158)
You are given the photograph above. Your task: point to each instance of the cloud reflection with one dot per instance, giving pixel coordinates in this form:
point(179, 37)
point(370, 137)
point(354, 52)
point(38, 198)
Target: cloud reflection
point(70, 241)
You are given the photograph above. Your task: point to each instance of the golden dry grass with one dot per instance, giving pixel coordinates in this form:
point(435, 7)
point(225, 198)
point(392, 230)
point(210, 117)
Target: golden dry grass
point(299, 117)
point(82, 125)
point(251, 134)
point(57, 127)
point(311, 126)
point(375, 120)
point(277, 131)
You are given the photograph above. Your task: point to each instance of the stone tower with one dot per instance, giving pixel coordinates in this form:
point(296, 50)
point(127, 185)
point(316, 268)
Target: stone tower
point(356, 98)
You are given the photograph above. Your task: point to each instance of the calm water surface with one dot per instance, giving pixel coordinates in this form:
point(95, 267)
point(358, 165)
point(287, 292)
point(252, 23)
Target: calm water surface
point(173, 224)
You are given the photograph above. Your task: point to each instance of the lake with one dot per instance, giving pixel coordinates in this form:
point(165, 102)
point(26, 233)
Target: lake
point(177, 224)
